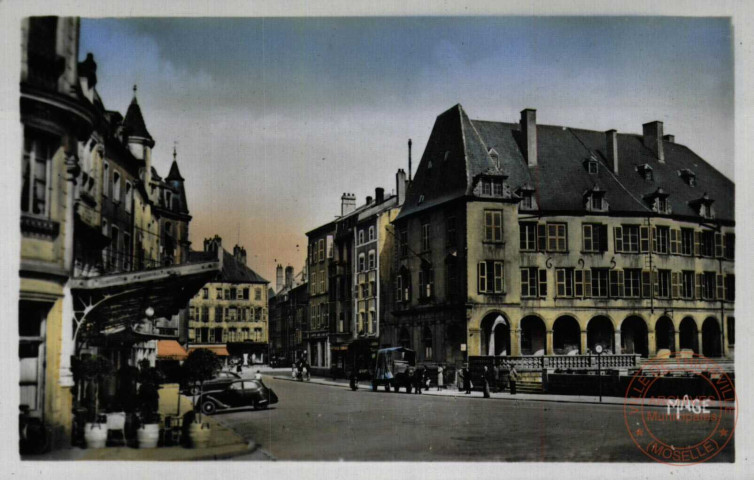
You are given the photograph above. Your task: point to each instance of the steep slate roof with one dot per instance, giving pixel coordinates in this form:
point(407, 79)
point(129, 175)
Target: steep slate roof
point(174, 173)
point(135, 121)
point(236, 272)
point(560, 178)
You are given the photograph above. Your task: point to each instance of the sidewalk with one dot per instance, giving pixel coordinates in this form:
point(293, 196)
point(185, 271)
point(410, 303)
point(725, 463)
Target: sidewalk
point(536, 397)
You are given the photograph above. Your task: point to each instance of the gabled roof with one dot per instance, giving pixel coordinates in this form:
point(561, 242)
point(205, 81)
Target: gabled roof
point(560, 177)
point(236, 272)
point(134, 121)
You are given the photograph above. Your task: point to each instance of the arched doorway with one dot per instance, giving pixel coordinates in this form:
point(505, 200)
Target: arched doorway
point(404, 338)
point(495, 335)
point(664, 334)
point(633, 333)
point(599, 331)
point(711, 338)
point(533, 336)
point(566, 336)
point(688, 335)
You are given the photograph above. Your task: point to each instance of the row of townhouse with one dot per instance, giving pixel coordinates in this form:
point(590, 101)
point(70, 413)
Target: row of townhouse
point(104, 240)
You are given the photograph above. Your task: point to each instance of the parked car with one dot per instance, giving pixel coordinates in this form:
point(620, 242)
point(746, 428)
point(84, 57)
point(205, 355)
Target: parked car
point(223, 377)
point(237, 394)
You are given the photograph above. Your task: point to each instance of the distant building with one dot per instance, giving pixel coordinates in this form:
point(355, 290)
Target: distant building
point(521, 239)
point(230, 313)
point(288, 316)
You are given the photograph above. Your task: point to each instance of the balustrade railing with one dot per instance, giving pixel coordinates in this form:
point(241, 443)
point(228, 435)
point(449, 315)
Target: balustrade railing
point(559, 362)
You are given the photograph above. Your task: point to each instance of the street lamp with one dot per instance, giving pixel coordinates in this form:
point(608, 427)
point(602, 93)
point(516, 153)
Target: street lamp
point(598, 349)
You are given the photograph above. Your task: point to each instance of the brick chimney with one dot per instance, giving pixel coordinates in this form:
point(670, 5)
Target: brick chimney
point(347, 203)
point(669, 138)
point(400, 186)
point(369, 200)
point(239, 253)
point(379, 195)
point(611, 149)
point(652, 138)
point(529, 131)
point(289, 276)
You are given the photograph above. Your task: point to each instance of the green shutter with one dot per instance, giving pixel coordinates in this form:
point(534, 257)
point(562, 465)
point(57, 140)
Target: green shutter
point(618, 233)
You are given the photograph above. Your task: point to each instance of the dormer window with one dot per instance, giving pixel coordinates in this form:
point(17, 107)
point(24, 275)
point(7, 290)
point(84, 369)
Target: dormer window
point(528, 201)
point(594, 200)
point(658, 200)
point(703, 206)
point(688, 176)
point(591, 165)
point(646, 172)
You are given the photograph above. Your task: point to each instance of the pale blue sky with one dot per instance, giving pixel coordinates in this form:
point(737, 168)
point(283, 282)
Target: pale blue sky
point(275, 118)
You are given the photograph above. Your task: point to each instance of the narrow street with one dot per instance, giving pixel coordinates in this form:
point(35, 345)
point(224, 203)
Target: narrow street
point(317, 422)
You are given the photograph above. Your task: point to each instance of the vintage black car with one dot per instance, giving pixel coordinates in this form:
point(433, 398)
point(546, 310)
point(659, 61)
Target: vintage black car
point(223, 377)
point(237, 394)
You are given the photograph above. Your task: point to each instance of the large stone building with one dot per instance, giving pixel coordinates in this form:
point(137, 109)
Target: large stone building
point(95, 278)
point(354, 274)
point(232, 308)
point(289, 317)
point(524, 239)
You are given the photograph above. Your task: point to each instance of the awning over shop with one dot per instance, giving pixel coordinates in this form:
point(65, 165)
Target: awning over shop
point(255, 348)
point(170, 350)
point(117, 304)
point(219, 350)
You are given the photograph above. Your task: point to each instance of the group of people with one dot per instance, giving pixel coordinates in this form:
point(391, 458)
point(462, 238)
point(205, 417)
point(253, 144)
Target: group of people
point(301, 370)
point(421, 379)
point(490, 376)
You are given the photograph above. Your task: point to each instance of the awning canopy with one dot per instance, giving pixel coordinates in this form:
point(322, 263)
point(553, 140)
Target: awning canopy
point(117, 303)
point(219, 350)
point(239, 348)
point(170, 350)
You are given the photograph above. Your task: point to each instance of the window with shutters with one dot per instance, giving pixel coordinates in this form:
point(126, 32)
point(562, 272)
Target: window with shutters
point(663, 283)
point(708, 281)
point(675, 282)
point(528, 236)
point(632, 282)
point(661, 240)
point(687, 284)
point(626, 239)
point(730, 246)
point(493, 226)
point(490, 277)
point(426, 282)
point(718, 245)
point(646, 284)
point(564, 282)
point(594, 237)
point(533, 282)
point(675, 241)
point(617, 279)
point(730, 287)
point(707, 243)
point(687, 241)
point(600, 282)
point(644, 239)
point(321, 249)
point(582, 283)
point(556, 237)
point(322, 288)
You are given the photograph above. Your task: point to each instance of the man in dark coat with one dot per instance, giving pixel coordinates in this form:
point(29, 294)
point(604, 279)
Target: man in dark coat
point(466, 380)
point(418, 378)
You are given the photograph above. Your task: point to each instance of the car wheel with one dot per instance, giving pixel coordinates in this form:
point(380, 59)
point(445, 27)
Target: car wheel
point(208, 407)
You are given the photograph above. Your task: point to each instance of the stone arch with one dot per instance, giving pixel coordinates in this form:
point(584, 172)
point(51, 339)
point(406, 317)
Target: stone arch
point(711, 345)
point(688, 335)
point(566, 336)
point(634, 336)
point(600, 331)
point(495, 329)
point(533, 335)
point(664, 334)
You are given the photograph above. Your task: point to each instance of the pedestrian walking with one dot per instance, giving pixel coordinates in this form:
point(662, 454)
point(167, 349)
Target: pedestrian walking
point(238, 366)
point(418, 376)
point(293, 371)
point(486, 382)
point(466, 375)
point(440, 379)
point(513, 378)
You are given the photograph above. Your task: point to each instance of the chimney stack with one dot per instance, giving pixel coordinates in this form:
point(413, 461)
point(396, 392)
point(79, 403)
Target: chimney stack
point(289, 276)
point(400, 186)
point(611, 149)
point(278, 278)
point(652, 139)
point(669, 138)
point(347, 204)
point(379, 194)
point(529, 130)
point(369, 200)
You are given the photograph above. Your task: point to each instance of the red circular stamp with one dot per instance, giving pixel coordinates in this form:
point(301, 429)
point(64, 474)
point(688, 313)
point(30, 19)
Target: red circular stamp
point(681, 411)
